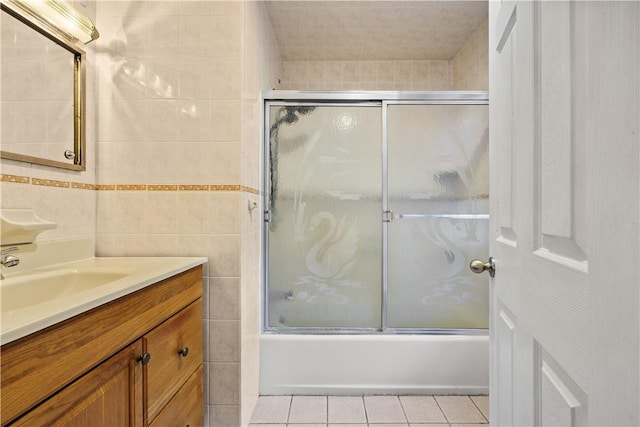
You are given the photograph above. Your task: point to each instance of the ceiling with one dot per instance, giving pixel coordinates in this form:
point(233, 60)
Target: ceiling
point(311, 30)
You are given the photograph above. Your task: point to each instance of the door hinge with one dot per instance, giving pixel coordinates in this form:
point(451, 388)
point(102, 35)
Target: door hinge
point(387, 216)
point(267, 216)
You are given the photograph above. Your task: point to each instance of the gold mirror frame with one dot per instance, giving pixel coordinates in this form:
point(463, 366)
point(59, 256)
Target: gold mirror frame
point(77, 28)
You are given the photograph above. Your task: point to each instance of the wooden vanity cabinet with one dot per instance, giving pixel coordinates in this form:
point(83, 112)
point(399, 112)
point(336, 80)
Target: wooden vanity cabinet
point(132, 362)
point(109, 395)
point(176, 352)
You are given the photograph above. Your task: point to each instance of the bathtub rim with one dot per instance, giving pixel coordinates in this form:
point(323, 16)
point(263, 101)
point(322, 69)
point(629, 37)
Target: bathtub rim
point(440, 365)
point(373, 331)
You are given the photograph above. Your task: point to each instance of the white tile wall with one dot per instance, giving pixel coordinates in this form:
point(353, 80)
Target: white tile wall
point(73, 209)
point(367, 75)
point(471, 63)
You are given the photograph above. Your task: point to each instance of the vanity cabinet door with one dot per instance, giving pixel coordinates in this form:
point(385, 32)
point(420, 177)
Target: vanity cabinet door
point(186, 408)
point(109, 395)
point(176, 352)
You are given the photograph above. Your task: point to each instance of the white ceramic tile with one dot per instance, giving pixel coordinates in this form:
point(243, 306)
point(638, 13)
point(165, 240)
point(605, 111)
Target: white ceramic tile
point(211, 163)
point(224, 383)
point(195, 7)
point(196, 122)
point(164, 36)
point(163, 8)
point(163, 78)
point(346, 409)
point(135, 35)
point(224, 255)
point(226, 120)
point(160, 245)
point(384, 409)
point(482, 402)
point(195, 213)
point(308, 409)
point(459, 409)
point(271, 409)
point(161, 212)
point(224, 341)
point(422, 409)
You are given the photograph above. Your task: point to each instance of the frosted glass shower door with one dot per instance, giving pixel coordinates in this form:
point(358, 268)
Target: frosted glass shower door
point(438, 191)
point(324, 237)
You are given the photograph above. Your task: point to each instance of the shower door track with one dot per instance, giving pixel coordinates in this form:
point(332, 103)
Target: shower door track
point(362, 98)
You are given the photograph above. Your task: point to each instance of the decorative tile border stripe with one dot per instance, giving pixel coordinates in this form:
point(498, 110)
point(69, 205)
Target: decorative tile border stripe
point(193, 187)
point(127, 187)
point(162, 187)
point(216, 187)
point(131, 187)
point(16, 178)
point(102, 187)
point(251, 190)
point(50, 183)
point(82, 186)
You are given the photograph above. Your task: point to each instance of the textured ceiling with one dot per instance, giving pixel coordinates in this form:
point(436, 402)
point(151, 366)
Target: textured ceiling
point(373, 30)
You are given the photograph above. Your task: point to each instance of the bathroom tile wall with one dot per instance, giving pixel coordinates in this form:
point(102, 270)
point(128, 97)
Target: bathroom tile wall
point(367, 75)
point(178, 163)
point(65, 197)
point(471, 63)
point(261, 64)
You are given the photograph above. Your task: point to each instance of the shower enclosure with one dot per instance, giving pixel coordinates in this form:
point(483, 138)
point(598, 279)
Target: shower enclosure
point(375, 204)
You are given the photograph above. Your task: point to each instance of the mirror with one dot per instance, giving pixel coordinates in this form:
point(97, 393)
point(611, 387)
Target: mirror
point(42, 99)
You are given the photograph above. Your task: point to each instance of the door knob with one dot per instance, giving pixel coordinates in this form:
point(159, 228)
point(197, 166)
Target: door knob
point(478, 266)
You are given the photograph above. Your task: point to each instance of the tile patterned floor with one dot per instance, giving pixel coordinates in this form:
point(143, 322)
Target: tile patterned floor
point(369, 411)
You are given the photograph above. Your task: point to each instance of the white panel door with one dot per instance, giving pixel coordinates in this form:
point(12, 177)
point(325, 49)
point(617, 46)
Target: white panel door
point(564, 120)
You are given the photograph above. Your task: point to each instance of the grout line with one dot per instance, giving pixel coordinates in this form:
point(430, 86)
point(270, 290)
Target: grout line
point(366, 414)
point(443, 413)
point(327, 413)
point(479, 410)
point(289, 412)
point(404, 412)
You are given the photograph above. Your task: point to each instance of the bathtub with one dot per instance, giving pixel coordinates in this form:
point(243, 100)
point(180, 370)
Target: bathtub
point(373, 364)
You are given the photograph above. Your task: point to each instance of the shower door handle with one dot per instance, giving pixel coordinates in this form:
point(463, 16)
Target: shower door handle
point(478, 266)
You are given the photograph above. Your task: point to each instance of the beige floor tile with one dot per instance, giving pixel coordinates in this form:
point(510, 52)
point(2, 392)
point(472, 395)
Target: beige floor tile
point(271, 409)
point(308, 409)
point(429, 425)
point(482, 402)
point(347, 425)
point(422, 409)
point(384, 409)
point(388, 425)
point(307, 425)
point(469, 425)
point(460, 409)
point(346, 409)
point(267, 425)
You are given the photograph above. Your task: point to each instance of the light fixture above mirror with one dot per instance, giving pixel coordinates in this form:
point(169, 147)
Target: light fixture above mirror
point(57, 16)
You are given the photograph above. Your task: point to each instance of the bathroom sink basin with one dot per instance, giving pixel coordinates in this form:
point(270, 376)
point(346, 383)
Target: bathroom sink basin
point(34, 299)
point(23, 291)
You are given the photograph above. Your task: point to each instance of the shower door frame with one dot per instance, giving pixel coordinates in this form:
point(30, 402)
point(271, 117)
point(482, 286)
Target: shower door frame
point(359, 98)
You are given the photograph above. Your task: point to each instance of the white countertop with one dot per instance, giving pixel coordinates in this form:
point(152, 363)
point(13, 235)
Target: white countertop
point(31, 314)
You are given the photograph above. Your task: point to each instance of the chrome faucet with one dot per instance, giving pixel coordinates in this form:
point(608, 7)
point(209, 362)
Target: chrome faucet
point(10, 260)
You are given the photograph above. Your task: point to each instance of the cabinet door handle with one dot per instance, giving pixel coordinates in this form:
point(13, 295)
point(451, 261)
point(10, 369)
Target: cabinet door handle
point(144, 359)
point(184, 351)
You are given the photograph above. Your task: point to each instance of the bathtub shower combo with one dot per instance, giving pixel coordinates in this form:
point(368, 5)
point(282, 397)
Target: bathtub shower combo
point(374, 205)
